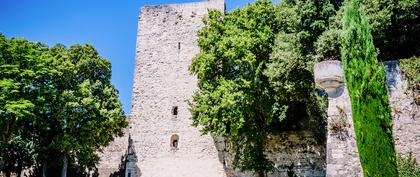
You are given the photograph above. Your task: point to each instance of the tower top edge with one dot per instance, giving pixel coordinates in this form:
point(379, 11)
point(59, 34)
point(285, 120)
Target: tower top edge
point(185, 4)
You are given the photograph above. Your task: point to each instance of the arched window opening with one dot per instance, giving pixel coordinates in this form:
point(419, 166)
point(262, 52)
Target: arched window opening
point(174, 141)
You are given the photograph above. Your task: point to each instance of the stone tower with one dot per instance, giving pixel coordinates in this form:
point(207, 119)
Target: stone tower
point(166, 143)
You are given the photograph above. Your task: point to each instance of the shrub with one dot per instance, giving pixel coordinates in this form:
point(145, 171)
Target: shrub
point(411, 68)
point(407, 166)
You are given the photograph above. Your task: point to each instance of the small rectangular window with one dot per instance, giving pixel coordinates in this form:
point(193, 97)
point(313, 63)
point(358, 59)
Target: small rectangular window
point(175, 110)
point(179, 45)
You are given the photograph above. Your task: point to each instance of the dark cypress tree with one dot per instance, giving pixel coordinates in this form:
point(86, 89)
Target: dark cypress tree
point(365, 79)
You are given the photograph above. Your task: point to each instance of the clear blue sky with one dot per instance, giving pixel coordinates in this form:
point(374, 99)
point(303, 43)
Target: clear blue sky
point(109, 25)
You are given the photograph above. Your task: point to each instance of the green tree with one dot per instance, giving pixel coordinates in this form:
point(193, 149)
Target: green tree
point(365, 79)
point(22, 65)
point(55, 102)
point(290, 66)
point(85, 111)
point(395, 29)
point(234, 97)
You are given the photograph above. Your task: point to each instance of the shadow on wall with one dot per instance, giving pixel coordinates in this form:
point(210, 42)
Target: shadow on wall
point(121, 168)
point(128, 165)
point(294, 152)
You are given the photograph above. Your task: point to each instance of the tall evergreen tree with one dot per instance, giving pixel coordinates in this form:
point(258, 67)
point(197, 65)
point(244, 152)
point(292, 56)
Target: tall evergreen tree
point(365, 79)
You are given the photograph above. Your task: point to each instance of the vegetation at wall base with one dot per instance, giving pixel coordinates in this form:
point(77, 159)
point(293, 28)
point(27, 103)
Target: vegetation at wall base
point(407, 165)
point(411, 69)
point(365, 79)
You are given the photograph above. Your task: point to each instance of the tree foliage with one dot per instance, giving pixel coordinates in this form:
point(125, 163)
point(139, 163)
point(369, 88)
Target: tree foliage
point(395, 29)
point(234, 96)
point(55, 102)
point(411, 68)
point(365, 79)
point(22, 69)
point(255, 73)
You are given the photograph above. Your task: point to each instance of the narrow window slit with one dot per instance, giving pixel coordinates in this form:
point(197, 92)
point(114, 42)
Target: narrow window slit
point(175, 110)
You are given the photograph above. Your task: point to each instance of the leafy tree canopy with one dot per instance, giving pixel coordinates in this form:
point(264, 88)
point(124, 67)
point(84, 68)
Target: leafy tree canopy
point(235, 98)
point(252, 75)
point(55, 102)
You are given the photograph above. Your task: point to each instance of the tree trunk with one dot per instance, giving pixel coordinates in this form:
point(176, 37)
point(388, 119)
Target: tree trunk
point(19, 169)
point(260, 174)
point(44, 169)
point(64, 172)
point(8, 168)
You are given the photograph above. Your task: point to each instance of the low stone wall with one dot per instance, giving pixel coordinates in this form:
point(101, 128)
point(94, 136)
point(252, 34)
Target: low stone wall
point(296, 153)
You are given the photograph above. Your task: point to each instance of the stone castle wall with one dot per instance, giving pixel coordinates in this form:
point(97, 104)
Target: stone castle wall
point(405, 113)
point(342, 155)
point(167, 144)
point(166, 44)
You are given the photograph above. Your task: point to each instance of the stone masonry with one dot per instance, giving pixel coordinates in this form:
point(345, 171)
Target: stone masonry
point(342, 156)
point(166, 143)
point(405, 113)
point(163, 143)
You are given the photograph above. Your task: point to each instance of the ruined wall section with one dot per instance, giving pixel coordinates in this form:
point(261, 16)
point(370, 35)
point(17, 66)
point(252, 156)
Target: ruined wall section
point(342, 153)
point(112, 156)
point(166, 44)
point(296, 153)
point(405, 113)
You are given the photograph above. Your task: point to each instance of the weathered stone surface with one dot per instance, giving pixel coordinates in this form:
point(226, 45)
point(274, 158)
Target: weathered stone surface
point(405, 113)
point(166, 44)
point(342, 155)
point(296, 152)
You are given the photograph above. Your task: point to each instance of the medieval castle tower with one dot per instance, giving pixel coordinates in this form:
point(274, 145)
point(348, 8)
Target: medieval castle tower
point(166, 143)
point(161, 142)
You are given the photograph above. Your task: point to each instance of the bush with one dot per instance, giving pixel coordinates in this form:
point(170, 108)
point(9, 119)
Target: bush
point(407, 166)
point(411, 68)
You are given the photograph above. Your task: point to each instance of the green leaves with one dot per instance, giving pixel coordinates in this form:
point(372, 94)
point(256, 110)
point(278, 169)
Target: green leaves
point(234, 98)
point(60, 99)
point(254, 71)
point(87, 109)
point(365, 79)
point(20, 63)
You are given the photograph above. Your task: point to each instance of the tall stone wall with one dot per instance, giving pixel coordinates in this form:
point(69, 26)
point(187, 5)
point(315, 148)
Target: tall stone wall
point(166, 143)
point(342, 155)
point(405, 113)
point(296, 153)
